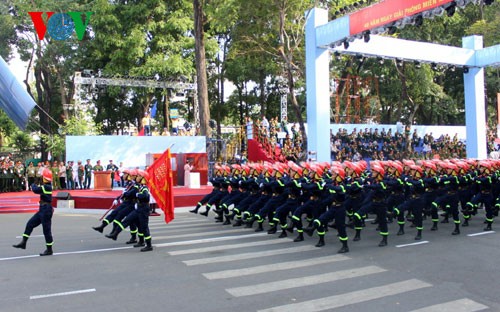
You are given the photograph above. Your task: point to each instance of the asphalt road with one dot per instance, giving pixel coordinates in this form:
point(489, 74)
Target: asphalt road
point(198, 265)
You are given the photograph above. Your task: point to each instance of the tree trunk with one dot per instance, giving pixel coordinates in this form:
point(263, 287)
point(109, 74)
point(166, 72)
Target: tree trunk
point(201, 68)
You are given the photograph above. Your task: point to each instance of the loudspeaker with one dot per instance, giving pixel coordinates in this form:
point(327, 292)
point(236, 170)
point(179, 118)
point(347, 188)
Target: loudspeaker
point(63, 195)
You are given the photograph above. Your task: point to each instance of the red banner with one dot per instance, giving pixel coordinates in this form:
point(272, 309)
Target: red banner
point(161, 184)
point(388, 11)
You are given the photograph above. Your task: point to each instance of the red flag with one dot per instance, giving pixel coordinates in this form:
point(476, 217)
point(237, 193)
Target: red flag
point(161, 184)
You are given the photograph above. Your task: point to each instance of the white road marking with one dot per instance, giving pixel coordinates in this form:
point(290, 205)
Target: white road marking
point(250, 255)
point(274, 267)
point(69, 253)
point(67, 293)
point(265, 288)
point(461, 305)
point(210, 233)
point(412, 244)
point(363, 295)
point(228, 247)
point(207, 240)
point(481, 233)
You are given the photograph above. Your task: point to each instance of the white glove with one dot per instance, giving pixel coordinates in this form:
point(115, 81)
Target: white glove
point(115, 202)
point(135, 206)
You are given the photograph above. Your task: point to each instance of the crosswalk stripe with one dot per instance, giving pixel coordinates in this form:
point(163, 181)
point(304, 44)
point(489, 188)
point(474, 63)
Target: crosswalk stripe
point(461, 305)
point(274, 267)
point(337, 301)
point(184, 222)
point(250, 255)
point(228, 247)
point(204, 224)
point(207, 240)
point(303, 281)
point(211, 233)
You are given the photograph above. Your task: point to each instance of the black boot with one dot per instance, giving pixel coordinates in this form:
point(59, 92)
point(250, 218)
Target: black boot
point(383, 242)
point(321, 241)
point(466, 222)
point(357, 237)
point(22, 244)
point(148, 246)
point(344, 248)
point(283, 234)
point(132, 240)
point(227, 221)
point(249, 223)
point(259, 228)
point(238, 223)
point(114, 235)
point(195, 210)
point(48, 251)
point(140, 243)
point(434, 226)
point(488, 226)
point(204, 213)
point(100, 228)
point(299, 238)
point(457, 229)
point(401, 230)
point(310, 229)
point(445, 220)
point(419, 235)
point(272, 230)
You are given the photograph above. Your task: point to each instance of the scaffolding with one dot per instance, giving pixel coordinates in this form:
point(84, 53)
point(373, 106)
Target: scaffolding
point(355, 99)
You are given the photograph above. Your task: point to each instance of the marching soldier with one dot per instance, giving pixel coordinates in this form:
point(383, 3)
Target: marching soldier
point(139, 216)
point(43, 216)
point(125, 203)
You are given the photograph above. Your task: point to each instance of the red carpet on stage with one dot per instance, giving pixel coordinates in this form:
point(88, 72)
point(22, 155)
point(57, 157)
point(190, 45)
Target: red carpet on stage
point(256, 153)
point(27, 201)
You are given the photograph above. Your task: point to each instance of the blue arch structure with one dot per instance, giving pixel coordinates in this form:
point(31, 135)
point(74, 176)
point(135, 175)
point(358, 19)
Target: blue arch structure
point(321, 37)
point(15, 101)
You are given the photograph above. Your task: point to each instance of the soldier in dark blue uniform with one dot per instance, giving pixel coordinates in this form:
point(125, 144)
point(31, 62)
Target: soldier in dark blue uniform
point(43, 216)
point(125, 204)
point(375, 201)
point(138, 216)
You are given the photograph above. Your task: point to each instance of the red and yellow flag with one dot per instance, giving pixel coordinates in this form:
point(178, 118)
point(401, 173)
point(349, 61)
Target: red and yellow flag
point(161, 184)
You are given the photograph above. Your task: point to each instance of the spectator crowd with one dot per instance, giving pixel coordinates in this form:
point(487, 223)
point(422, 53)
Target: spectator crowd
point(15, 176)
point(282, 142)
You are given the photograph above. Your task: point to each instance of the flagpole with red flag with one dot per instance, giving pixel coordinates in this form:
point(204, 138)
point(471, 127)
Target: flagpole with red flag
point(161, 184)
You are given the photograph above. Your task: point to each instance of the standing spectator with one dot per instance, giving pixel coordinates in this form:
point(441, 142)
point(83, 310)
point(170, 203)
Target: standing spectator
point(113, 168)
point(98, 166)
point(249, 125)
point(70, 182)
point(55, 174)
point(80, 174)
point(146, 124)
point(74, 168)
point(187, 170)
point(88, 174)
point(38, 174)
point(31, 174)
point(62, 175)
point(120, 172)
point(265, 126)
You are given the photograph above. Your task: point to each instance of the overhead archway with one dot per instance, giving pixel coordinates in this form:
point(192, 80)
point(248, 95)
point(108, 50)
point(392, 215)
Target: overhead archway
point(340, 35)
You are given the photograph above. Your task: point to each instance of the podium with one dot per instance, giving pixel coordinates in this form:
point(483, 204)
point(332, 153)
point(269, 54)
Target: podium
point(102, 180)
point(194, 180)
